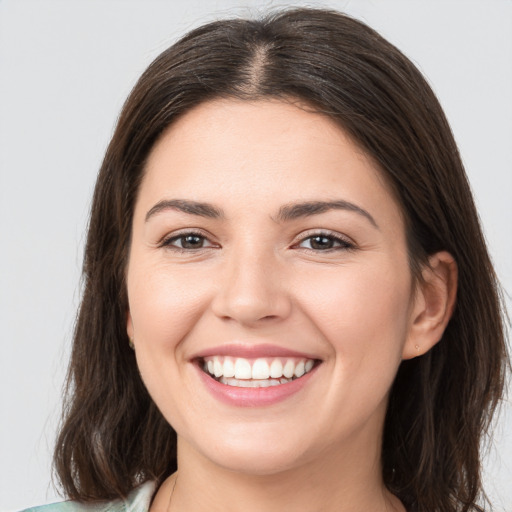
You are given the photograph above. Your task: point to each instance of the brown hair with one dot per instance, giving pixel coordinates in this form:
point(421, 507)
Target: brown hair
point(113, 437)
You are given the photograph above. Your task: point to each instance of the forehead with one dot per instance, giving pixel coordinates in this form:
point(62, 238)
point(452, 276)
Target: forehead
point(242, 152)
point(231, 121)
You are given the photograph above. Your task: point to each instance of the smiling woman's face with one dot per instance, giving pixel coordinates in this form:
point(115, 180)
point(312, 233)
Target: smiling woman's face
point(265, 244)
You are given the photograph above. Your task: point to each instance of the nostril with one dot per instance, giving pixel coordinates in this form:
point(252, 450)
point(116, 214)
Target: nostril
point(269, 317)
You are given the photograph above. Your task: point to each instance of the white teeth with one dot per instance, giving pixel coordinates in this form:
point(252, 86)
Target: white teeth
point(242, 369)
point(217, 368)
point(260, 369)
point(239, 382)
point(288, 370)
point(299, 369)
point(270, 371)
point(265, 383)
point(228, 368)
point(276, 369)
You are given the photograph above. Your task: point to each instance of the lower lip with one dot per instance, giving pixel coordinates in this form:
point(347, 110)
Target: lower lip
point(254, 397)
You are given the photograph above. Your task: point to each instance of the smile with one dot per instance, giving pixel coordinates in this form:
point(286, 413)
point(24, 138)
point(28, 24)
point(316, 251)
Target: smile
point(256, 373)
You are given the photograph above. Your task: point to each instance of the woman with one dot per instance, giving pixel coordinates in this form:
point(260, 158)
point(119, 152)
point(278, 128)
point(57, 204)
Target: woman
point(288, 300)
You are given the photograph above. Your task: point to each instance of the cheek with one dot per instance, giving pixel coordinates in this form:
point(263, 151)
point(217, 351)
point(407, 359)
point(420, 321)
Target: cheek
point(164, 305)
point(363, 313)
point(364, 318)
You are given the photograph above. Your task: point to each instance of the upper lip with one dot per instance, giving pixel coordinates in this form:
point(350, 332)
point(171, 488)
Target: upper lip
point(251, 351)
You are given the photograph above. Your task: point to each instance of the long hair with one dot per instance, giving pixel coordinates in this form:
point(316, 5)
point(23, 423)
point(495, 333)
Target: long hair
point(112, 436)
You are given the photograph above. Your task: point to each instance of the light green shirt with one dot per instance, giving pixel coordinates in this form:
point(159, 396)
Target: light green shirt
point(137, 501)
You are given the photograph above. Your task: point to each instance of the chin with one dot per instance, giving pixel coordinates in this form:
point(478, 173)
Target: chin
point(253, 455)
point(256, 463)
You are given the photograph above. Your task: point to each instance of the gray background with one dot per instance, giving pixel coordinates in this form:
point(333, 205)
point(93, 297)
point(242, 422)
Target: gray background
point(66, 67)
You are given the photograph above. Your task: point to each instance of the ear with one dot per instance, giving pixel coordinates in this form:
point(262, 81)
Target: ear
point(433, 306)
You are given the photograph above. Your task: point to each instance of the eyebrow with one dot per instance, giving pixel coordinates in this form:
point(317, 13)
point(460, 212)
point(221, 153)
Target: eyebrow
point(286, 213)
point(190, 207)
point(297, 210)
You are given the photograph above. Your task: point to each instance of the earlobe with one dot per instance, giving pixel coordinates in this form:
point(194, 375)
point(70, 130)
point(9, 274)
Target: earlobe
point(433, 306)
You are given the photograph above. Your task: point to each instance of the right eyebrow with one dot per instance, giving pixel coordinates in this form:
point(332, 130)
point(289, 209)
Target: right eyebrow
point(186, 206)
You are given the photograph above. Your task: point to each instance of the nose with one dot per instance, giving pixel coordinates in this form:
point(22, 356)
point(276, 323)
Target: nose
point(252, 289)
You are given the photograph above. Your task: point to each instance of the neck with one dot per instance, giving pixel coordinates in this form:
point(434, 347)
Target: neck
point(339, 480)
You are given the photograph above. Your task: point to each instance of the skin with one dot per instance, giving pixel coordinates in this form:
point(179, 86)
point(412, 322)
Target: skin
point(258, 279)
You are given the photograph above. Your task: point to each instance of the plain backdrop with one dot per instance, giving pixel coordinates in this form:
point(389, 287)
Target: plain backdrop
point(65, 69)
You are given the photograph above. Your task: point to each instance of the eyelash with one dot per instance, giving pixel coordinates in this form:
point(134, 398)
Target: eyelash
point(167, 242)
point(343, 243)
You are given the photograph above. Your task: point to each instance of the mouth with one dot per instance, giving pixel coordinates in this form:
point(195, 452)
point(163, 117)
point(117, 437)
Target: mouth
point(256, 372)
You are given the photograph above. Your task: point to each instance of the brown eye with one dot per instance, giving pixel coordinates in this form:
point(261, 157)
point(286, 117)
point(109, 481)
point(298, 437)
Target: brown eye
point(322, 242)
point(188, 241)
point(191, 241)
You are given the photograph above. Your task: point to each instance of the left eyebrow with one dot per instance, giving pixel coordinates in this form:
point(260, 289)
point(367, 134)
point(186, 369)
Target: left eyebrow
point(297, 210)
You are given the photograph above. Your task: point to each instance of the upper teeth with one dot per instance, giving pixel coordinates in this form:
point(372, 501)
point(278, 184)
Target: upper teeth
point(262, 368)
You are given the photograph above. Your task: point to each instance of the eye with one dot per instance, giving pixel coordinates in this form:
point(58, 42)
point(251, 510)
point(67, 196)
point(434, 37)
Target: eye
point(325, 242)
point(188, 241)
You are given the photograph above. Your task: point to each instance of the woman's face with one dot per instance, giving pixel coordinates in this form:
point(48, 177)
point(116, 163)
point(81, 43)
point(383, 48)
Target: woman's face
point(266, 242)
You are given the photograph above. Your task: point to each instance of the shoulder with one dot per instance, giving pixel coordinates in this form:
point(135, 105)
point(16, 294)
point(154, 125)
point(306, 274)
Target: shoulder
point(137, 501)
